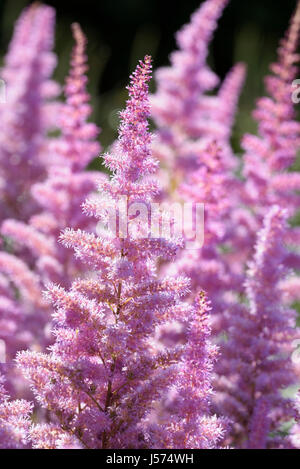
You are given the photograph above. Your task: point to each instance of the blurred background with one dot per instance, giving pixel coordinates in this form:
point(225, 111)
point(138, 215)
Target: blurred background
point(122, 31)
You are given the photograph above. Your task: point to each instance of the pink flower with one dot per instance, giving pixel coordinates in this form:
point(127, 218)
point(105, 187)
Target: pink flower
point(256, 362)
point(25, 116)
point(115, 358)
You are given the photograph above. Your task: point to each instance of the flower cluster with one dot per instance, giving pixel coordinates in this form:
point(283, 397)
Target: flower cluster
point(116, 333)
point(108, 369)
point(27, 114)
point(30, 255)
point(187, 117)
point(269, 156)
point(14, 421)
point(255, 365)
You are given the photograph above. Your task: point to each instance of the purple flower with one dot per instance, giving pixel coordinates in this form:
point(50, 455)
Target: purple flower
point(256, 363)
point(25, 117)
point(120, 332)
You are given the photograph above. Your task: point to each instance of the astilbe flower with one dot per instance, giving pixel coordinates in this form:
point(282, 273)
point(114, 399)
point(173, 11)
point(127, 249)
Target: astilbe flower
point(193, 141)
point(78, 145)
point(31, 256)
point(190, 424)
point(267, 181)
point(23, 315)
point(207, 266)
point(67, 185)
point(26, 115)
point(270, 155)
point(119, 333)
point(295, 432)
point(187, 119)
point(227, 102)
point(183, 84)
point(255, 364)
point(14, 421)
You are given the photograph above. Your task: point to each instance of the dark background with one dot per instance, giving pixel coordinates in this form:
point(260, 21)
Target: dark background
point(122, 31)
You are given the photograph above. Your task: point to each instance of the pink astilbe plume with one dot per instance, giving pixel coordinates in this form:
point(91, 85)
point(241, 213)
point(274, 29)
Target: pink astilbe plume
point(270, 155)
point(295, 433)
point(179, 100)
point(67, 185)
point(256, 363)
point(119, 333)
point(187, 118)
point(278, 130)
point(193, 143)
point(206, 266)
point(25, 116)
point(227, 101)
point(23, 316)
point(14, 421)
point(38, 258)
point(78, 145)
point(189, 423)
point(163, 325)
point(21, 321)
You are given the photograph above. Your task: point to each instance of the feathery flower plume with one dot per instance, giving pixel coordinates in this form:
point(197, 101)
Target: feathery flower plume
point(186, 117)
point(189, 423)
point(25, 115)
point(295, 433)
point(179, 100)
point(22, 322)
point(270, 154)
point(78, 145)
point(119, 333)
point(61, 195)
point(38, 258)
point(207, 267)
point(193, 143)
point(14, 421)
point(256, 364)
point(228, 96)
